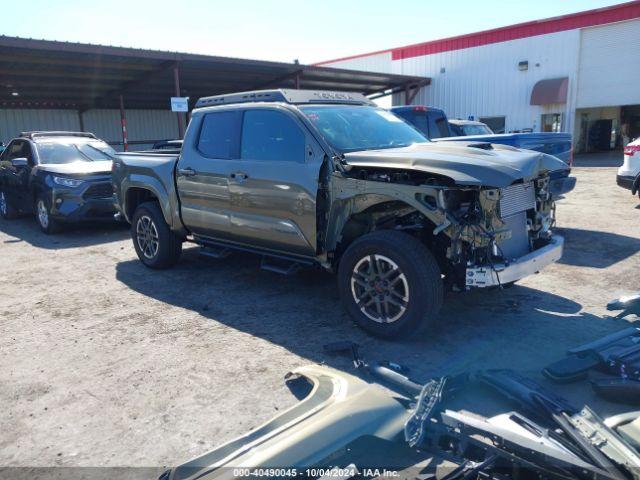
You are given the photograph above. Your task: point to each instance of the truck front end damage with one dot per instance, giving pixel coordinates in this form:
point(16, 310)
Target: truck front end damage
point(504, 234)
point(498, 235)
point(488, 225)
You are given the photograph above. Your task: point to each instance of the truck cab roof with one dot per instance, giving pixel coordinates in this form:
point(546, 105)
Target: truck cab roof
point(291, 96)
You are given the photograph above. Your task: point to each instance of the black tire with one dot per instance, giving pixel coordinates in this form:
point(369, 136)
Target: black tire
point(148, 228)
point(7, 211)
point(422, 281)
point(46, 222)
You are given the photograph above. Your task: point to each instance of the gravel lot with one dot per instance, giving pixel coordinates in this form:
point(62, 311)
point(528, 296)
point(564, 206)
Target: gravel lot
point(105, 363)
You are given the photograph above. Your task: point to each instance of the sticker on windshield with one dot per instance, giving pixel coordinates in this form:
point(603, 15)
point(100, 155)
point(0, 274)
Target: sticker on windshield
point(388, 116)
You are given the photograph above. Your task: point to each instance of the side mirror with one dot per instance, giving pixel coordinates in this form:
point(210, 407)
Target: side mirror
point(19, 162)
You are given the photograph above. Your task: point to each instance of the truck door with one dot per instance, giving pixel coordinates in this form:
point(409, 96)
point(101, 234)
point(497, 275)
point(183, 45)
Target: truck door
point(203, 172)
point(273, 186)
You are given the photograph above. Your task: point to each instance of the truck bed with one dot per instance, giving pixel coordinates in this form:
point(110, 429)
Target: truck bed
point(150, 171)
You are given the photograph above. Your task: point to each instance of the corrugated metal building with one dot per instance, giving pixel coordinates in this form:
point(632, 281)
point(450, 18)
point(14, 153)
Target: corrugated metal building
point(144, 126)
point(123, 94)
point(578, 73)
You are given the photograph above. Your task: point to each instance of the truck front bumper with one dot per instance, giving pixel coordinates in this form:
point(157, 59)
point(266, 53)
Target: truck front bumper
point(488, 276)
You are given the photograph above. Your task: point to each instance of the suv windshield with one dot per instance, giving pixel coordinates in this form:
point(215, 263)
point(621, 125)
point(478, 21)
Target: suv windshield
point(72, 151)
point(351, 128)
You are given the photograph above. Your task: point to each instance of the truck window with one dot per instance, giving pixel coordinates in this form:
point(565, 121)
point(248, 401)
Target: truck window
point(271, 136)
point(219, 135)
point(438, 126)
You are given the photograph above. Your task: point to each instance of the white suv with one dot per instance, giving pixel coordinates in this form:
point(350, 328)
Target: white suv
point(629, 173)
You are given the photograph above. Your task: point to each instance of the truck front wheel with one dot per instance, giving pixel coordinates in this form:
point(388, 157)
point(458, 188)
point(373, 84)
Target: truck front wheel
point(390, 284)
point(156, 245)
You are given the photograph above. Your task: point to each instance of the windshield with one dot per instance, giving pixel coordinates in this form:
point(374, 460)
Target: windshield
point(476, 130)
point(73, 151)
point(352, 128)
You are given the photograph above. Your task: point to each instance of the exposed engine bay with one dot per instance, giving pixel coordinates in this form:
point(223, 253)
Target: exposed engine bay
point(474, 231)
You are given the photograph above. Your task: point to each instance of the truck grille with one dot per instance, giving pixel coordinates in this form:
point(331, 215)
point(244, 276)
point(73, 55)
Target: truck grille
point(98, 190)
point(517, 198)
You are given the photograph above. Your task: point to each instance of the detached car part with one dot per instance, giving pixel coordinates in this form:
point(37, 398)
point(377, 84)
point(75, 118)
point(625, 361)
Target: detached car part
point(616, 355)
point(346, 424)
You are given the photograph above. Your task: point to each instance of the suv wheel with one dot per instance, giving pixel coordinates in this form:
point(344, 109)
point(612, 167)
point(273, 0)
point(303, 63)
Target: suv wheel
point(47, 223)
point(6, 211)
point(390, 284)
point(156, 245)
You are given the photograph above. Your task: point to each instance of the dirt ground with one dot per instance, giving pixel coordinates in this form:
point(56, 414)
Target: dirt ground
point(106, 363)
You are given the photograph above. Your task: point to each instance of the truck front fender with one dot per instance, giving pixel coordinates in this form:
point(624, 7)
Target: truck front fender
point(352, 196)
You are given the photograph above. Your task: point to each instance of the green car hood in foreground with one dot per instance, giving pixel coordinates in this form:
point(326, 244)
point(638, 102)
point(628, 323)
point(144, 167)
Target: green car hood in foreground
point(347, 427)
point(339, 409)
point(484, 165)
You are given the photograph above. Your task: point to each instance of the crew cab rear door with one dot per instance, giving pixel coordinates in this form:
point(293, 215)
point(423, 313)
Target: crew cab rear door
point(274, 183)
point(203, 170)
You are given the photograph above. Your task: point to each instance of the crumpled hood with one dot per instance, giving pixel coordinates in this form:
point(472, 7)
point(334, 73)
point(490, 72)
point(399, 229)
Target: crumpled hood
point(77, 168)
point(498, 167)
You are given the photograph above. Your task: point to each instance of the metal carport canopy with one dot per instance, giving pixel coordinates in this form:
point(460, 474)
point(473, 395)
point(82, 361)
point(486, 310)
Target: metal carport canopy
point(51, 74)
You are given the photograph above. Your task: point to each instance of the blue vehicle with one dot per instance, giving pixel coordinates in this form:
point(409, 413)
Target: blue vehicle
point(62, 177)
point(433, 123)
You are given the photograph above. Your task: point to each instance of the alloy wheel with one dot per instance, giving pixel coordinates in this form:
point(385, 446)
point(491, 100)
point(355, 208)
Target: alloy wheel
point(147, 237)
point(380, 288)
point(43, 214)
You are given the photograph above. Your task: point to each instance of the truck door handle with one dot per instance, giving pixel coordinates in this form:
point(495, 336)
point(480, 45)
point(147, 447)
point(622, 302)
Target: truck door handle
point(186, 172)
point(238, 176)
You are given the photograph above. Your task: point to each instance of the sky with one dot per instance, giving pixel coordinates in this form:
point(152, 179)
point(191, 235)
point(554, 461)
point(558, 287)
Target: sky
point(280, 30)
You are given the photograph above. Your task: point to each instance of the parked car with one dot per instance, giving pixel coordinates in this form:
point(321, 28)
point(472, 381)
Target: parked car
point(59, 176)
point(2, 147)
point(328, 179)
point(433, 123)
point(464, 128)
point(629, 173)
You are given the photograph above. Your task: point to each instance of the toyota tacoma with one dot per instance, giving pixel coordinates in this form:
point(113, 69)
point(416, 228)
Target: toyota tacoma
point(328, 179)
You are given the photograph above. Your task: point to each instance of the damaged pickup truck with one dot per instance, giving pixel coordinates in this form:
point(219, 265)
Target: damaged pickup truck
point(317, 178)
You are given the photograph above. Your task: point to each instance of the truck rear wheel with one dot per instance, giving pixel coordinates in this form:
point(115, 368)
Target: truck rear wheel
point(156, 245)
point(390, 284)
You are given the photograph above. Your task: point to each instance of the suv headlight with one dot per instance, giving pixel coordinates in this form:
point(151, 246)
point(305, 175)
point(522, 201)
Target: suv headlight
point(68, 182)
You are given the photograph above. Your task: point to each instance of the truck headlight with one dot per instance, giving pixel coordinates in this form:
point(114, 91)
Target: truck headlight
point(68, 182)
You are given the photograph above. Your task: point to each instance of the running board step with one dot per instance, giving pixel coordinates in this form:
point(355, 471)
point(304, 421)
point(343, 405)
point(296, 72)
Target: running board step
point(278, 265)
point(214, 252)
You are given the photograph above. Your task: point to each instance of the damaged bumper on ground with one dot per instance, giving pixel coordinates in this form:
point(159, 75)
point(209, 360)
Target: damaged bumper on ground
point(503, 273)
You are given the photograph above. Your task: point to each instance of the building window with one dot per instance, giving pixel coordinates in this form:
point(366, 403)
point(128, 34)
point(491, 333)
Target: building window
point(497, 124)
point(551, 122)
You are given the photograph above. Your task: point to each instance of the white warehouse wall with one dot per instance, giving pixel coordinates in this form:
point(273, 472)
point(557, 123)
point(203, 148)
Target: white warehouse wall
point(485, 81)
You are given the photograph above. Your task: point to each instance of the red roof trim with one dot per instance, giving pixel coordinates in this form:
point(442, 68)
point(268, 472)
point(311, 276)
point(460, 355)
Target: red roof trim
point(588, 18)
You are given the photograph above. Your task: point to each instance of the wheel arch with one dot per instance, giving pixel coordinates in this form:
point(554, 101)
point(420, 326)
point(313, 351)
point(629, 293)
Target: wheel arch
point(367, 213)
point(136, 195)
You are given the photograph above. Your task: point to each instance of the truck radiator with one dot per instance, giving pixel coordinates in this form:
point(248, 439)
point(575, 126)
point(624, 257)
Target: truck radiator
point(517, 198)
